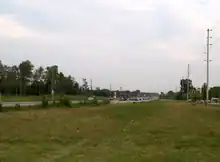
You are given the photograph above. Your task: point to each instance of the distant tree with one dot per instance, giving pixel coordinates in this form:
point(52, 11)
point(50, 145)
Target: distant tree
point(85, 87)
point(65, 85)
point(26, 72)
point(195, 94)
point(76, 88)
point(101, 92)
point(138, 91)
point(2, 74)
point(184, 83)
point(183, 87)
point(162, 95)
point(51, 77)
point(204, 87)
point(27, 80)
point(214, 92)
point(38, 79)
point(170, 95)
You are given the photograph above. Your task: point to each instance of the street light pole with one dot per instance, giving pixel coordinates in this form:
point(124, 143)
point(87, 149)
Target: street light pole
point(52, 84)
point(20, 80)
point(208, 60)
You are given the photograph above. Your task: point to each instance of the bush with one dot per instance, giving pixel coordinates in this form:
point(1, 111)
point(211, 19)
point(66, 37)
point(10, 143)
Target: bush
point(95, 101)
point(57, 104)
point(1, 108)
point(44, 102)
point(82, 102)
point(106, 102)
point(17, 107)
point(64, 101)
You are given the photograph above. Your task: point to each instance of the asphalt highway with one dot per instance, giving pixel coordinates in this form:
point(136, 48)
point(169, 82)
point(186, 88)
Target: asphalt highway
point(34, 103)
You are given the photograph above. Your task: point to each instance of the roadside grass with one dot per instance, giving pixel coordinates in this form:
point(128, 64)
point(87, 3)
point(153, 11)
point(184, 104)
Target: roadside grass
point(39, 98)
point(155, 131)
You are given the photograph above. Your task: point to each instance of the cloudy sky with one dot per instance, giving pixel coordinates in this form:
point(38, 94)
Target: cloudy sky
point(134, 44)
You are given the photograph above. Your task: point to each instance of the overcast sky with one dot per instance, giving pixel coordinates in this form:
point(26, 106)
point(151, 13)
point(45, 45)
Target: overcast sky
point(134, 44)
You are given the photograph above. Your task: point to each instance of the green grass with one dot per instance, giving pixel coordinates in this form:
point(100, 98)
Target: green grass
point(156, 131)
point(39, 98)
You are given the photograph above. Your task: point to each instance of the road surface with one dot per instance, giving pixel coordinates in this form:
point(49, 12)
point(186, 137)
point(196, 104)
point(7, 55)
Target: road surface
point(129, 101)
point(34, 103)
point(29, 103)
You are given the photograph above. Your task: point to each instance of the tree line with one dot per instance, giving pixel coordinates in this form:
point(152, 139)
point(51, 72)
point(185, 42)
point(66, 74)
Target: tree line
point(194, 93)
point(26, 79)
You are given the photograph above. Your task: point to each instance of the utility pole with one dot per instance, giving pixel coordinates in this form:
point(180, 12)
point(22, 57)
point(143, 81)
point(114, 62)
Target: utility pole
point(52, 84)
point(20, 82)
point(207, 60)
point(188, 82)
point(54, 71)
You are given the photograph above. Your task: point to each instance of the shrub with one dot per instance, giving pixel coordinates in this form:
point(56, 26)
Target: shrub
point(44, 102)
point(106, 102)
point(17, 107)
point(95, 101)
point(64, 101)
point(1, 107)
point(82, 102)
point(57, 104)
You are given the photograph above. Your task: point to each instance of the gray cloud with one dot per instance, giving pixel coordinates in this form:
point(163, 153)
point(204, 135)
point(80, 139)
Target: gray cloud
point(145, 49)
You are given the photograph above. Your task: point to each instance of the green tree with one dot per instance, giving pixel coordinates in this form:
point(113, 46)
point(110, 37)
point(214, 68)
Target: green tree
point(162, 95)
point(76, 88)
point(183, 87)
point(2, 74)
point(65, 84)
point(170, 95)
point(195, 94)
point(204, 87)
point(85, 87)
point(26, 73)
point(38, 79)
point(214, 92)
point(51, 77)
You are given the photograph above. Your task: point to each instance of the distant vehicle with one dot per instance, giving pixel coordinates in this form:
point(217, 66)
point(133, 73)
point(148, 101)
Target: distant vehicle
point(123, 99)
point(215, 100)
point(90, 98)
point(201, 101)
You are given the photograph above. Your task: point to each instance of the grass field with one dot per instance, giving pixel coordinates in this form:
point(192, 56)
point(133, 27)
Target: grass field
point(156, 131)
point(39, 98)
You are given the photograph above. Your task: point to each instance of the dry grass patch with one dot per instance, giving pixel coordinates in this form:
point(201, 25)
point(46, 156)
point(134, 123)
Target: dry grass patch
point(156, 131)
